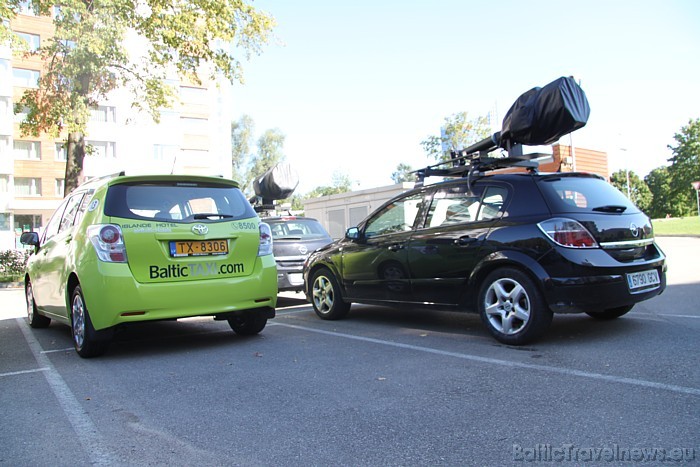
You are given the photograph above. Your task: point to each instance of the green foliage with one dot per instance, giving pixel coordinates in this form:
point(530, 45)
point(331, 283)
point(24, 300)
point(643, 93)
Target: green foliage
point(685, 168)
point(87, 57)
point(13, 263)
point(241, 137)
point(403, 174)
point(659, 183)
point(269, 154)
point(639, 192)
point(341, 183)
point(459, 132)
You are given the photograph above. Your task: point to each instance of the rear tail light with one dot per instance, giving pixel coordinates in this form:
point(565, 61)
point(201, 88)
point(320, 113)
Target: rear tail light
point(568, 233)
point(108, 242)
point(265, 247)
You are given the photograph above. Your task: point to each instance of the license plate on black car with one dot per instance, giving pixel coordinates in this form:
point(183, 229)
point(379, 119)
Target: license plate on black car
point(643, 280)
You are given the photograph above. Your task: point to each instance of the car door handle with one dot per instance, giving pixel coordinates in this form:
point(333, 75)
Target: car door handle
point(69, 239)
point(466, 240)
point(395, 247)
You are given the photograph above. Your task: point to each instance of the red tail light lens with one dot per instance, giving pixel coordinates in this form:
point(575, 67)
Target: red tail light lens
point(110, 234)
point(568, 233)
point(108, 242)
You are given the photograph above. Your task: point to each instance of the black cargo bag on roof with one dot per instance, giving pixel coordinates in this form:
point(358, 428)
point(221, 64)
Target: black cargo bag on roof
point(543, 115)
point(279, 182)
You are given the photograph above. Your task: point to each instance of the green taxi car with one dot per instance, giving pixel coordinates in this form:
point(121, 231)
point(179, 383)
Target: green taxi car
point(124, 249)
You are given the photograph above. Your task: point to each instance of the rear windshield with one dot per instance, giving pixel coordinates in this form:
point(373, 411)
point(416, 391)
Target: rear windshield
point(583, 194)
point(306, 229)
point(173, 202)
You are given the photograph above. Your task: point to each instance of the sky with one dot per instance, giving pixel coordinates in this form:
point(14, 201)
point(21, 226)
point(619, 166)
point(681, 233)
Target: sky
point(357, 85)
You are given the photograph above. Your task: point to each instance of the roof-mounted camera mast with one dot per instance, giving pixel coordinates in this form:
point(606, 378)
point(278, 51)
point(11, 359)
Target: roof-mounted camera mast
point(538, 117)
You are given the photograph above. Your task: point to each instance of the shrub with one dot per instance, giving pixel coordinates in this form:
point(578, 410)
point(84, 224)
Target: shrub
point(13, 263)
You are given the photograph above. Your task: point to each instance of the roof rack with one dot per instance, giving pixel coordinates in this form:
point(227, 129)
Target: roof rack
point(474, 160)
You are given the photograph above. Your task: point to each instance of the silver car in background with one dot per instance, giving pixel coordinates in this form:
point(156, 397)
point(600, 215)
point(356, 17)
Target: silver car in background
point(294, 238)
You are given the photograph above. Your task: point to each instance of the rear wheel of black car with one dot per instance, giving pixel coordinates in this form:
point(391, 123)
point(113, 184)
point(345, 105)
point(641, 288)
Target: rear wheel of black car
point(512, 308)
point(87, 341)
point(34, 319)
point(248, 323)
point(325, 296)
point(610, 313)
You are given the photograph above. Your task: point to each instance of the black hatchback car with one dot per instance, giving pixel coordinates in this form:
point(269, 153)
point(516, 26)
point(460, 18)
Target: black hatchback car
point(514, 247)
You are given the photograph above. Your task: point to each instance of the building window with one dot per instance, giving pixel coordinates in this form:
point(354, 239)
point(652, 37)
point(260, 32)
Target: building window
point(4, 221)
point(22, 114)
point(30, 150)
point(60, 187)
point(33, 40)
point(4, 183)
point(26, 7)
point(5, 147)
point(103, 114)
point(61, 153)
point(25, 186)
point(196, 126)
point(6, 108)
point(102, 149)
point(193, 95)
point(28, 222)
point(164, 152)
point(24, 78)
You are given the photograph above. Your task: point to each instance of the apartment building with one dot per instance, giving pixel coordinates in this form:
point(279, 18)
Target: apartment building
point(193, 137)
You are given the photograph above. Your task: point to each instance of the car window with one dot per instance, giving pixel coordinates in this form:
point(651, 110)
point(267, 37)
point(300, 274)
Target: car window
point(450, 206)
point(55, 222)
point(492, 203)
point(582, 194)
point(69, 214)
point(296, 228)
point(176, 201)
point(399, 216)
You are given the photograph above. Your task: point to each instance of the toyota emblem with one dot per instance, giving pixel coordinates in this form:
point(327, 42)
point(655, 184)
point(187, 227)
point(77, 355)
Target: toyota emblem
point(303, 250)
point(634, 229)
point(200, 229)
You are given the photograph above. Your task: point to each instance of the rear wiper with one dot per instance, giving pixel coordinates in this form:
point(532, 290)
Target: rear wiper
point(207, 215)
point(610, 208)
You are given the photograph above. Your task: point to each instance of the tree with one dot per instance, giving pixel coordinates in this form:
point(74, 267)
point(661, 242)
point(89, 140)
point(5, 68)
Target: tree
point(685, 167)
point(341, 183)
point(403, 174)
point(87, 58)
point(458, 132)
point(638, 190)
point(241, 137)
point(659, 183)
point(269, 154)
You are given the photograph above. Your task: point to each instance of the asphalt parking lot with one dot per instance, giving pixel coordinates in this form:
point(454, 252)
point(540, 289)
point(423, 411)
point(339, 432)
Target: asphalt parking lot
point(383, 387)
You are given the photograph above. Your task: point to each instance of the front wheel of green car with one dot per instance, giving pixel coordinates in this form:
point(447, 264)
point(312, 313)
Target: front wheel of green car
point(248, 323)
point(87, 341)
point(34, 319)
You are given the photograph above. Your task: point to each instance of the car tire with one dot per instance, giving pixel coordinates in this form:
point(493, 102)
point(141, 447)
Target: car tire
point(325, 296)
point(248, 323)
point(512, 308)
point(610, 313)
point(87, 341)
point(34, 319)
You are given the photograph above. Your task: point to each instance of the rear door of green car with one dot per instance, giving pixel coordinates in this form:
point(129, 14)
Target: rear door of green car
point(178, 229)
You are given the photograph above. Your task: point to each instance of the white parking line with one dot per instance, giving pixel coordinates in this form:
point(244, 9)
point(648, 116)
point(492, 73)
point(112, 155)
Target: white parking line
point(90, 439)
point(506, 363)
point(22, 372)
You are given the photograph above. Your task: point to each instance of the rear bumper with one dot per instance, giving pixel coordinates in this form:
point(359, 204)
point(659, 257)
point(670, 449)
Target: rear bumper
point(596, 293)
point(113, 296)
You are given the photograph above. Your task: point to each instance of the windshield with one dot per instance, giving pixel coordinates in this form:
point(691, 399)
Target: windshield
point(173, 201)
point(296, 228)
point(584, 194)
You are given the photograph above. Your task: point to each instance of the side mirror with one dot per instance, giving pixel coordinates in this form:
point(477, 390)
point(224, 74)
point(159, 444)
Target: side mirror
point(353, 233)
point(30, 238)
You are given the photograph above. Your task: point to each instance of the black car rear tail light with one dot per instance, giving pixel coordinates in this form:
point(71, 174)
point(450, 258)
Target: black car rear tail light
point(568, 233)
